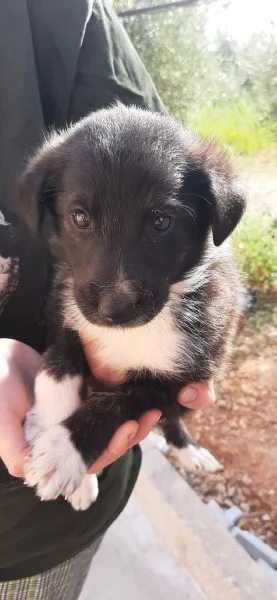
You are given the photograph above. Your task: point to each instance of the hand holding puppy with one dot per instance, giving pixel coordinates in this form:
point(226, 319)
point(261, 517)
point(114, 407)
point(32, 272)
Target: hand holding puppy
point(18, 367)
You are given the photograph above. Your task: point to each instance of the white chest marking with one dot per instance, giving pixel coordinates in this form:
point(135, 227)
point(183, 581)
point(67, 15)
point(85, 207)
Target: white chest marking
point(157, 346)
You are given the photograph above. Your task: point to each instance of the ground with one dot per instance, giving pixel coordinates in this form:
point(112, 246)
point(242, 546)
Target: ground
point(241, 431)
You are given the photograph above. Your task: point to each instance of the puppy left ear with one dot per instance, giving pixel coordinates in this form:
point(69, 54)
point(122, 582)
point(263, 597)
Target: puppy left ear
point(37, 184)
point(213, 176)
point(228, 203)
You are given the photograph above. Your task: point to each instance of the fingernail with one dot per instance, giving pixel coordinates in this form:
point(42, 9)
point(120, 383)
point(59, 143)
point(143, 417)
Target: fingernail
point(132, 434)
point(189, 395)
point(159, 414)
point(212, 392)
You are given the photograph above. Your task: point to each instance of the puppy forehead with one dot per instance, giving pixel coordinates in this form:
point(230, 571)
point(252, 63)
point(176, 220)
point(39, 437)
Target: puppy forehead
point(111, 159)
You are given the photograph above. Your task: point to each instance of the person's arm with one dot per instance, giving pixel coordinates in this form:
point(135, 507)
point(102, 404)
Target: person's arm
point(109, 68)
point(18, 367)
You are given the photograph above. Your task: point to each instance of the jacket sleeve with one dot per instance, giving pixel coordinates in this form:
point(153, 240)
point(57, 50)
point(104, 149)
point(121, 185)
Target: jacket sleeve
point(109, 68)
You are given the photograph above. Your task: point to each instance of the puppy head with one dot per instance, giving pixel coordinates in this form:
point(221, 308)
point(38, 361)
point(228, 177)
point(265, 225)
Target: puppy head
point(126, 200)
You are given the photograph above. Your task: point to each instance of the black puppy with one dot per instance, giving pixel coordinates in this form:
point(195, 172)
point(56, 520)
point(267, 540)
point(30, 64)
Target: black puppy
point(135, 211)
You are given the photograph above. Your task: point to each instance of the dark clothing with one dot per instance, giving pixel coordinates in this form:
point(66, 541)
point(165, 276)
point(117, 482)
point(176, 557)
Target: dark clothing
point(59, 60)
point(36, 536)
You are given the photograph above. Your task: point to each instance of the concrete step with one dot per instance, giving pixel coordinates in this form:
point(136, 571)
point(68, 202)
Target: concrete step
point(168, 545)
point(134, 564)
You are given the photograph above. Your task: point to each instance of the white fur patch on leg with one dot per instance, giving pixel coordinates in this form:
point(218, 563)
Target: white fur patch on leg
point(55, 401)
point(85, 494)
point(9, 275)
point(197, 459)
point(3, 219)
point(54, 466)
point(5, 269)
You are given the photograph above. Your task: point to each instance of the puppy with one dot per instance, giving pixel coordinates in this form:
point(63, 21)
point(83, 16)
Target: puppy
point(135, 212)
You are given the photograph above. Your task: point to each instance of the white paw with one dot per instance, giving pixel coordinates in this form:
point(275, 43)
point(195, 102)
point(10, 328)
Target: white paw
point(55, 466)
point(85, 494)
point(196, 459)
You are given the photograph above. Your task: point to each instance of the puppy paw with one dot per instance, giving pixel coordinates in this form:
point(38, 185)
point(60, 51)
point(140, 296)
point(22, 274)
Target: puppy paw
point(85, 494)
point(55, 466)
point(194, 458)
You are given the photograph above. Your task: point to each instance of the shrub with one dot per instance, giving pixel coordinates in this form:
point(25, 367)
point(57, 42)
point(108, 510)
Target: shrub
point(236, 125)
point(255, 246)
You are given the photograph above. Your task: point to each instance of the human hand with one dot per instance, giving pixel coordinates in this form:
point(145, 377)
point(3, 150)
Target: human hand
point(18, 367)
point(194, 396)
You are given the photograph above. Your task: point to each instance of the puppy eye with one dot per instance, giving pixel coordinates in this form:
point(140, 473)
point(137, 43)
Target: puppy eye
point(80, 218)
point(161, 222)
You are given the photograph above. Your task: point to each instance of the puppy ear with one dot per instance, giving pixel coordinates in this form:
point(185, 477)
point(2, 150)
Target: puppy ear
point(228, 203)
point(212, 171)
point(36, 188)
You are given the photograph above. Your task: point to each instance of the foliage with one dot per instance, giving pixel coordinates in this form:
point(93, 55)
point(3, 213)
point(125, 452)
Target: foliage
point(173, 47)
point(225, 89)
point(258, 60)
point(255, 245)
point(236, 124)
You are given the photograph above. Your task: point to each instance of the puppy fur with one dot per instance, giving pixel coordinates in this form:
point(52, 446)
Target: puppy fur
point(136, 213)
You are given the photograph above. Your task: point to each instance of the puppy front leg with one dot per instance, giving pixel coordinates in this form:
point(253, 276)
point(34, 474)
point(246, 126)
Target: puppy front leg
point(92, 426)
point(58, 388)
point(61, 454)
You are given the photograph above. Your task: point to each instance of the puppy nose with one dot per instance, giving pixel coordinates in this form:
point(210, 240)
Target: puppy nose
point(118, 311)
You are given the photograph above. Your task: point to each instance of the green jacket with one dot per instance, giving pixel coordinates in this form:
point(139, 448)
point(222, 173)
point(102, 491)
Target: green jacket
point(60, 59)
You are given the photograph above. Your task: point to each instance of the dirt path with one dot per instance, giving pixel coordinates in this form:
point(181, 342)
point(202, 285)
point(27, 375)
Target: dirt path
point(241, 431)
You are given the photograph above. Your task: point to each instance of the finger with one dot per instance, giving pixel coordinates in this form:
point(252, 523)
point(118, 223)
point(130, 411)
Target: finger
point(198, 396)
point(125, 437)
point(118, 445)
point(146, 424)
point(13, 450)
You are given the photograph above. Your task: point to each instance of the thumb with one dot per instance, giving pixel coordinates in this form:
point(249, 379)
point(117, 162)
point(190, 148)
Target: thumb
point(13, 447)
point(198, 395)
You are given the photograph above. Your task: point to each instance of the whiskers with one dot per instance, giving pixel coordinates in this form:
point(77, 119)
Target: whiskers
point(191, 195)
